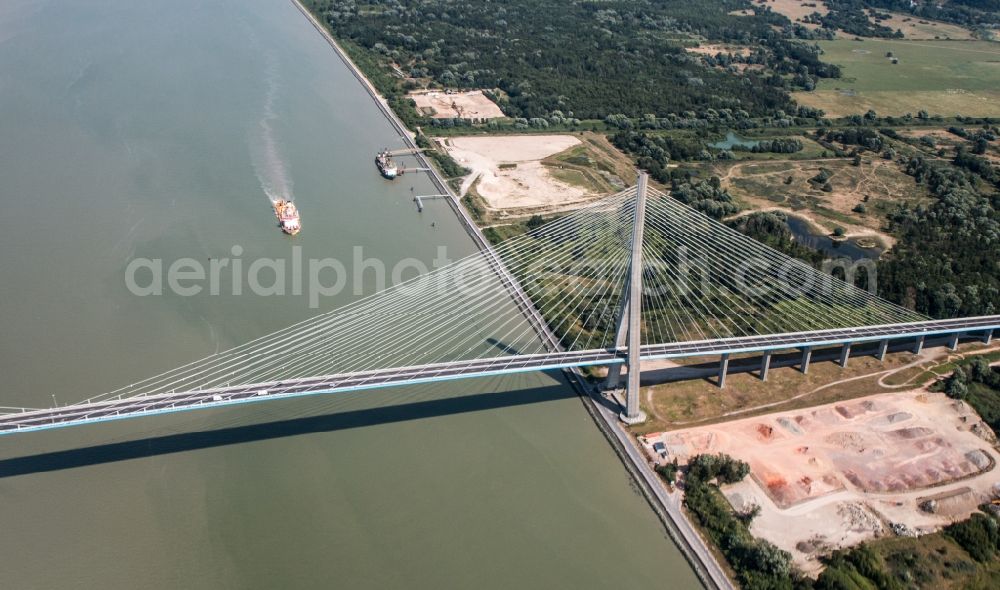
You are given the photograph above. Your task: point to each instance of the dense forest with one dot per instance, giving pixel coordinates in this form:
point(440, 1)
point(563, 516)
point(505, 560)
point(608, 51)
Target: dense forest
point(706, 196)
point(945, 263)
point(654, 152)
point(864, 137)
point(583, 60)
point(968, 548)
point(978, 384)
point(773, 146)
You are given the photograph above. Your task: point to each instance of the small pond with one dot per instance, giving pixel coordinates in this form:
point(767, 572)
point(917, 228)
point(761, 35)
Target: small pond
point(804, 234)
point(732, 140)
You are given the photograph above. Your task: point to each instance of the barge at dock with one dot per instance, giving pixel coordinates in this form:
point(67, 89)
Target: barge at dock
point(389, 168)
point(386, 167)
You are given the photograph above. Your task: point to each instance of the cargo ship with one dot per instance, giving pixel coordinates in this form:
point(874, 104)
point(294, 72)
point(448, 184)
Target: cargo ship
point(288, 216)
point(386, 167)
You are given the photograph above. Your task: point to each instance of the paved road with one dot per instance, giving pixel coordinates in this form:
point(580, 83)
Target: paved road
point(821, 337)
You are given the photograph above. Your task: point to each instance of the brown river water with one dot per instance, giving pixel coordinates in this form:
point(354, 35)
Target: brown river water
point(134, 128)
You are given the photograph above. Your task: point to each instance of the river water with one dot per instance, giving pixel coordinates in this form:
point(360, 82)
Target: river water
point(134, 128)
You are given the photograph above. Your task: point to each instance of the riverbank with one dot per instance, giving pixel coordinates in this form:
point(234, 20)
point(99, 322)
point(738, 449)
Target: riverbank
point(668, 505)
point(669, 511)
point(405, 134)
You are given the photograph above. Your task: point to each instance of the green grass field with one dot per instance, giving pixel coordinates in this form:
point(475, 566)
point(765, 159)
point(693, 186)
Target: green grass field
point(941, 77)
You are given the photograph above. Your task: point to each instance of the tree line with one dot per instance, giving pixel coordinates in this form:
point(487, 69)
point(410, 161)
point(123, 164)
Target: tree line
point(585, 60)
point(944, 263)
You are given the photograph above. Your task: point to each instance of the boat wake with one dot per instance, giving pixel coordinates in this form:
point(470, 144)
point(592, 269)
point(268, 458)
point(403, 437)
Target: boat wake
point(265, 151)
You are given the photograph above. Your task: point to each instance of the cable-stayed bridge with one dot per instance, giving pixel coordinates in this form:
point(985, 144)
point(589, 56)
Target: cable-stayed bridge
point(632, 277)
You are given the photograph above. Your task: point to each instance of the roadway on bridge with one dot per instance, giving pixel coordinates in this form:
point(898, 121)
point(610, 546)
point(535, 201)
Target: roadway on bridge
point(127, 407)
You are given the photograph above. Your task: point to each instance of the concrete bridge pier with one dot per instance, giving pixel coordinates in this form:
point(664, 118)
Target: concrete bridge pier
point(615, 370)
point(883, 346)
point(988, 336)
point(953, 343)
point(918, 346)
point(723, 369)
point(845, 353)
point(765, 365)
point(807, 353)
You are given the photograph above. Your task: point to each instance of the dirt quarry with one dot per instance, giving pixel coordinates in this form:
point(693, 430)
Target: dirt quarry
point(465, 105)
point(834, 475)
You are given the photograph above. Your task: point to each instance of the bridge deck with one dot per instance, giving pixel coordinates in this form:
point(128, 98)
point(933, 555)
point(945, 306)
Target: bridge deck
point(114, 409)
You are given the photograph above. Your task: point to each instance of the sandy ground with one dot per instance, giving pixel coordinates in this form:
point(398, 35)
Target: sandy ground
point(912, 27)
point(468, 105)
point(874, 178)
point(834, 475)
point(918, 28)
point(940, 133)
point(796, 9)
point(943, 136)
point(716, 49)
point(523, 183)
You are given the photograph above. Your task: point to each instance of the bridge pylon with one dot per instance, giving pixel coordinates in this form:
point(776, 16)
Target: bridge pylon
point(630, 317)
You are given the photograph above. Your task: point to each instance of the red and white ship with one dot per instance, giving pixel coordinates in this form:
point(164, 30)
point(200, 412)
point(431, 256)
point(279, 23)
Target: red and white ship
point(288, 216)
